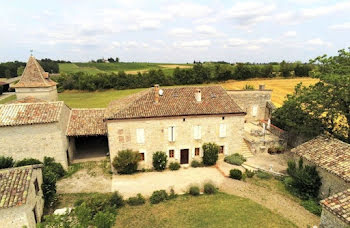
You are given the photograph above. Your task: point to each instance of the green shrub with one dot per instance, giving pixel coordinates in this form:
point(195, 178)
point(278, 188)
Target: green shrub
point(313, 206)
point(172, 194)
point(235, 159)
point(6, 162)
point(137, 200)
point(99, 202)
point(57, 168)
point(158, 196)
point(305, 181)
point(78, 202)
point(126, 161)
point(83, 215)
point(49, 187)
point(174, 166)
point(1, 89)
point(104, 219)
point(117, 200)
point(194, 191)
point(160, 160)
point(249, 173)
point(209, 188)
point(210, 153)
point(263, 175)
point(27, 161)
point(196, 164)
point(236, 174)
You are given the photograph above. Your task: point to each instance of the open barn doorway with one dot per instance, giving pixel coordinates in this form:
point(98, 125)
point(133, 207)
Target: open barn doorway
point(90, 148)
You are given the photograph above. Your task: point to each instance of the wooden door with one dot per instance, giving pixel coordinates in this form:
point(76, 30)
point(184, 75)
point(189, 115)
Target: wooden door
point(184, 156)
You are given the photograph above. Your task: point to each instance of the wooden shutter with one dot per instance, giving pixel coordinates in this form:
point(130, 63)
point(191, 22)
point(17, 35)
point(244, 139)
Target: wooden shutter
point(255, 111)
point(140, 135)
point(197, 132)
point(171, 134)
point(222, 130)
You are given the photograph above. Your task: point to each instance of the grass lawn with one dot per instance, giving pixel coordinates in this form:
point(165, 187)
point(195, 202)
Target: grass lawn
point(8, 99)
point(220, 210)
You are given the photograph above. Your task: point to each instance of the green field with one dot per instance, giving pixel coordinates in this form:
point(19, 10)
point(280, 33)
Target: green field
point(8, 99)
point(220, 210)
point(130, 67)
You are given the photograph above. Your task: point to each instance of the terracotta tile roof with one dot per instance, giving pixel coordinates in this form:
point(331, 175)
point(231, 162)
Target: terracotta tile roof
point(328, 153)
point(30, 113)
point(34, 76)
point(14, 185)
point(28, 99)
point(339, 205)
point(174, 102)
point(86, 122)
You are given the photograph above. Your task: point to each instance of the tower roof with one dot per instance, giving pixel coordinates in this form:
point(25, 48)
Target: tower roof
point(34, 76)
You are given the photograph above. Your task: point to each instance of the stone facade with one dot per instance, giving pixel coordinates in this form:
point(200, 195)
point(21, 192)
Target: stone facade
point(20, 216)
point(329, 220)
point(122, 135)
point(43, 93)
point(37, 140)
point(253, 102)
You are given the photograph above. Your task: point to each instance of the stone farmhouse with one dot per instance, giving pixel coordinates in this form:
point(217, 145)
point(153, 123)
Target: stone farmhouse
point(21, 196)
point(175, 120)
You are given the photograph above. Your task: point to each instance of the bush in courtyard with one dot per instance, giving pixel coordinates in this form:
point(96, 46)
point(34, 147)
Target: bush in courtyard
point(137, 200)
point(98, 202)
point(27, 161)
point(305, 180)
point(249, 173)
point(235, 159)
point(160, 160)
point(210, 153)
point(174, 166)
point(209, 188)
point(172, 194)
point(194, 191)
point(57, 168)
point(236, 174)
point(126, 161)
point(158, 196)
point(263, 175)
point(313, 206)
point(104, 219)
point(116, 200)
point(196, 164)
point(6, 162)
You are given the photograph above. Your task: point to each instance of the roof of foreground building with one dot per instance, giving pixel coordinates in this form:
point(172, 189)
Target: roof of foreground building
point(28, 99)
point(83, 122)
point(328, 153)
point(173, 102)
point(14, 185)
point(339, 205)
point(34, 76)
point(30, 113)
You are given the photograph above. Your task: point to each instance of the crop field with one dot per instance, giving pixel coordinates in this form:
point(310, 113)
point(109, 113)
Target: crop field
point(280, 86)
point(100, 99)
point(129, 68)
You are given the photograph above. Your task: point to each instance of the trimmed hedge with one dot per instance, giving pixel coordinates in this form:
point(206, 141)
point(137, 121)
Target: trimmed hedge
point(235, 159)
point(174, 166)
point(126, 161)
point(136, 200)
point(160, 160)
point(158, 196)
point(209, 189)
point(194, 191)
point(236, 174)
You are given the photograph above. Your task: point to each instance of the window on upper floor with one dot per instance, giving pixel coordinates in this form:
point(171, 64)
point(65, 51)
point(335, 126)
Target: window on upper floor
point(222, 131)
point(197, 132)
point(140, 135)
point(171, 134)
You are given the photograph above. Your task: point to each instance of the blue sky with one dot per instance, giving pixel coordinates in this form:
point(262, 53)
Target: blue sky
point(174, 31)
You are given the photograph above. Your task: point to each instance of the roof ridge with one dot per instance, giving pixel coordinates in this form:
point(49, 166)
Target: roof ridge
point(40, 69)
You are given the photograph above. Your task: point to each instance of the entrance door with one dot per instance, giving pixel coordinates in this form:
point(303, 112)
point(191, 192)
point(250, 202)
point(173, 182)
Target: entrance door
point(184, 156)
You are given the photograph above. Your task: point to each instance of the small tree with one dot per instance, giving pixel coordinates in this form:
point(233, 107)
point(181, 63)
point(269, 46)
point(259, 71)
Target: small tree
point(210, 153)
point(126, 161)
point(6, 162)
point(160, 160)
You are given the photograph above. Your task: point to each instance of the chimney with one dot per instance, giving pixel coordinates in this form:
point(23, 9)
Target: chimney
point(198, 95)
point(261, 87)
point(156, 93)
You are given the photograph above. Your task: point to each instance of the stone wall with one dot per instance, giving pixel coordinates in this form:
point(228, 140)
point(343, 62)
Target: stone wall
point(34, 141)
point(20, 216)
point(329, 220)
point(122, 135)
point(247, 99)
point(45, 93)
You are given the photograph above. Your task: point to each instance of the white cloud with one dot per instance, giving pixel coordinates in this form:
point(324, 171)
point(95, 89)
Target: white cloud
point(344, 26)
point(248, 44)
point(206, 29)
point(318, 42)
point(150, 24)
point(115, 44)
point(236, 42)
point(324, 10)
point(187, 9)
point(193, 44)
point(290, 34)
point(180, 32)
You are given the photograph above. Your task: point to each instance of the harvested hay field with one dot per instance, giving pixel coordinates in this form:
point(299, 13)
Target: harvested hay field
point(173, 66)
point(280, 86)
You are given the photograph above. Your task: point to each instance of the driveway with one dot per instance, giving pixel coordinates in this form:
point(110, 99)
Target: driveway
point(180, 180)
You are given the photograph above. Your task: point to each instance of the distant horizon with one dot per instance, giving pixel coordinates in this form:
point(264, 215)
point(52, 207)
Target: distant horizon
point(174, 31)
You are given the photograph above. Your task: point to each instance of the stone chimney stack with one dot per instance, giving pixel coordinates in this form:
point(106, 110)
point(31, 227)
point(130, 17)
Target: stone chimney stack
point(261, 87)
point(198, 95)
point(156, 93)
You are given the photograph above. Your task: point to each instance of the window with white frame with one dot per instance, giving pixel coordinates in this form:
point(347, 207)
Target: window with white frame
point(255, 110)
point(197, 132)
point(140, 135)
point(222, 130)
point(171, 134)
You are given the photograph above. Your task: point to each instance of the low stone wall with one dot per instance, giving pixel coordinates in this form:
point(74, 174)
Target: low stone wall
point(329, 220)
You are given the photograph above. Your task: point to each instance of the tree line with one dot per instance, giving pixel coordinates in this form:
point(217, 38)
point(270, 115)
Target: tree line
point(200, 73)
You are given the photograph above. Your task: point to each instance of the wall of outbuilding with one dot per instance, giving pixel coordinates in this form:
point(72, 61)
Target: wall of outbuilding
point(329, 220)
point(44, 93)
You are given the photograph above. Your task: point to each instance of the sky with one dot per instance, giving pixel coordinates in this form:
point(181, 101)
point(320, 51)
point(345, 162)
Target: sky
point(173, 31)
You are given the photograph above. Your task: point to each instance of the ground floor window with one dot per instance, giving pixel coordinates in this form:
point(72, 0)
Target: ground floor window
point(142, 155)
point(196, 151)
point(221, 150)
point(171, 153)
